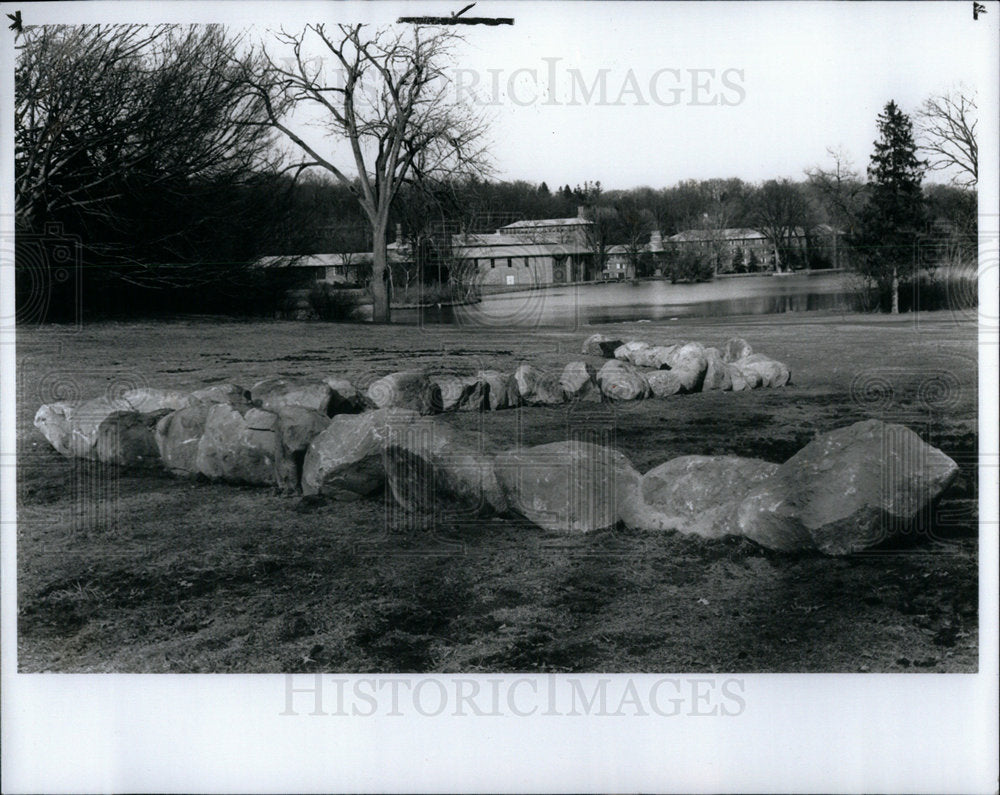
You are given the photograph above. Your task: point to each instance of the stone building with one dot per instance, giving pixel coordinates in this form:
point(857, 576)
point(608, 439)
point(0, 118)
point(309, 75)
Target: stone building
point(726, 242)
point(821, 244)
point(619, 262)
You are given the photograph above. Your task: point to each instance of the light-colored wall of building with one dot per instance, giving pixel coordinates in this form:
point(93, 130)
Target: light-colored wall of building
point(537, 271)
point(618, 266)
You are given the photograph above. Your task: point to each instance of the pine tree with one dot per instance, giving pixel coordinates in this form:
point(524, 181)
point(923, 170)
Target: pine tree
point(894, 213)
point(543, 189)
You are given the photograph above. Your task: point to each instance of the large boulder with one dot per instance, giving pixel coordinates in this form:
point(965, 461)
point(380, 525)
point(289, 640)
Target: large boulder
point(621, 381)
point(736, 348)
point(460, 393)
point(346, 461)
point(450, 387)
point(475, 394)
point(846, 490)
point(750, 377)
point(410, 391)
point(568, 487)
point(501, 389)
point(696, 494)
point(128, 438)
point(85, 422)
point(600, 345)
point(718, 374)
point(740, 381)
point(663, 383)
point(538, 387)
point(771, 373)
point(689, 362)
point(656, 356)
point(148, 399)
point(276, 392)
point(294, 431)
point(238, 446)
point(431, 466)
point(627, 351)
point(105, 429)
point(54, 421)
point(344, 397)
point(177, 436)
point(74, 427)
point(578, 382)
point(222, 393)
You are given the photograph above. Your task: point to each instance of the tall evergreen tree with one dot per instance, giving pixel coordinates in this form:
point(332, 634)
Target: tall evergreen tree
point(894, 214)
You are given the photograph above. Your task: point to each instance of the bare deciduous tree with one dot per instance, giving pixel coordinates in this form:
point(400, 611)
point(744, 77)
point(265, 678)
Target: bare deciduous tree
point(779, 211)
point(946, 126)
point(601, 231)
point(390, 98)
point(839, 189)
point(105, 115)
point(141, 143)
point(637, 223)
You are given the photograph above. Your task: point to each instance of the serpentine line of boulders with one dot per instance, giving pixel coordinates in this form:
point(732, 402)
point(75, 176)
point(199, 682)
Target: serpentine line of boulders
point(844, 491)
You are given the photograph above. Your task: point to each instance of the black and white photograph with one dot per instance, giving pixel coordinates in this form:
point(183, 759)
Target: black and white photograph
point(615, 371)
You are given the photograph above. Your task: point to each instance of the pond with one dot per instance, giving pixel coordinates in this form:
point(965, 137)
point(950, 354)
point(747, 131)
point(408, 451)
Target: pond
point(585, 304)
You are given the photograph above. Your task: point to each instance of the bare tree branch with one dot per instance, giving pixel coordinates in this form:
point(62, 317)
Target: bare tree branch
point(946, 126)
point(392, 105)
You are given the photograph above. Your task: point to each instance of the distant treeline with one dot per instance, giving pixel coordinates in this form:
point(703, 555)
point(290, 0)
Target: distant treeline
point(189, 247)
point(148, 181)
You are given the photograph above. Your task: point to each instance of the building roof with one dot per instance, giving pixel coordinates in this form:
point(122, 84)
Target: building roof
point(655, 246)
point(740, 233)
point(323, 260)
point(735, 233)
point(548, 222)
point(488, 239)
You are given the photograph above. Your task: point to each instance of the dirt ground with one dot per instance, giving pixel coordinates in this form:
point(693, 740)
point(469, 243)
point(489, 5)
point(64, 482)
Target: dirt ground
point(141, 572)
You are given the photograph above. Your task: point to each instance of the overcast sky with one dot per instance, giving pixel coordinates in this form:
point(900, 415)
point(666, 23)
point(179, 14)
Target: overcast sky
point(808, 76)
point(690, 90)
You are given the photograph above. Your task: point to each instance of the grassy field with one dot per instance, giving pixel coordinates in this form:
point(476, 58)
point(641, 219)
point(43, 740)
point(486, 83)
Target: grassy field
point(132, 572)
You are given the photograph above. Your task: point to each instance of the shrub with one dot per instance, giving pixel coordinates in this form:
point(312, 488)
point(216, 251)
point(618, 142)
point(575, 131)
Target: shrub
point(738, 265)
point(332, 303)
point(689, 265)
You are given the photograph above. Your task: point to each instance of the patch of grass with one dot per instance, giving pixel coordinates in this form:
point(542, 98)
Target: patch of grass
point(188, 576)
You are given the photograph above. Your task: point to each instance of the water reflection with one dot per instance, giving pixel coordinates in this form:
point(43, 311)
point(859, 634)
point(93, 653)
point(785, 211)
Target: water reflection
point(656, 300)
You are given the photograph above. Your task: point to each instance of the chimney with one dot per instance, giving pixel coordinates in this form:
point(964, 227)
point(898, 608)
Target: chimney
point(399, 233)
point(581, 212)
point(655, 240)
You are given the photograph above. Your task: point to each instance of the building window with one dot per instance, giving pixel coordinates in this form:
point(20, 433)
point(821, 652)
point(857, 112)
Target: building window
point(527, 263)
point(493, 263)
point(510, 262)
